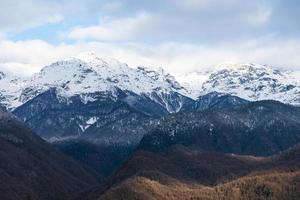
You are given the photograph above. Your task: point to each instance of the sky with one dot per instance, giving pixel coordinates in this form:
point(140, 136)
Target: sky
point(181, 36)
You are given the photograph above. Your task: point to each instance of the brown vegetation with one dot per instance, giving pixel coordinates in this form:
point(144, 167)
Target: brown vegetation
point(183, 173)
point(267, 186)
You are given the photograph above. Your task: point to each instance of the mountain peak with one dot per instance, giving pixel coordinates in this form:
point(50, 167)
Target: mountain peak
point(87, 56)
point(254, 82)
point(241, 65)
point(88, 74)
point(91, 57)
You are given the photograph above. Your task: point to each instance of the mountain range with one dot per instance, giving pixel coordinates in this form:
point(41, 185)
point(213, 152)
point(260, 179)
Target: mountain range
point(87, 103)
point(92, 128)
point(76, 90)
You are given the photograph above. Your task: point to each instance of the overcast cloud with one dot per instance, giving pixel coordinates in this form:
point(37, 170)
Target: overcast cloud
point(181, 36)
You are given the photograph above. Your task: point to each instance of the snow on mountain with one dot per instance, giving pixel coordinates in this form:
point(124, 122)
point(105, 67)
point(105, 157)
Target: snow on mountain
point(10, 90)
point(87, 74)
point(252, 82)
point(193, 82)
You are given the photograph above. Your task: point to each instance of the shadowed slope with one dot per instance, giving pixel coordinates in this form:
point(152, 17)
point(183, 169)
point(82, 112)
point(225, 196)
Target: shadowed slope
point(184, 173)
point(29, 167)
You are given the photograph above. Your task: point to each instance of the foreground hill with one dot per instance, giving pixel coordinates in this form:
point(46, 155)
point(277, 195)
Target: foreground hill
point(31, 168)
point(186, 173)
point(270, 185)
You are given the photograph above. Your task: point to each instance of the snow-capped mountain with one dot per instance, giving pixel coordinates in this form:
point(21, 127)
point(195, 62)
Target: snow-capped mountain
point(76, 95)
point(86, 95)
point(252, 82)
point(87, 74)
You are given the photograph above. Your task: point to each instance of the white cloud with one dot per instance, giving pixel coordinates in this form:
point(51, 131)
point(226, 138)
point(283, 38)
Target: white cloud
point(18, 69)
point(178, 35)
point(114, 29)
point(26, 57)
point(188, 21)
point(17, 15)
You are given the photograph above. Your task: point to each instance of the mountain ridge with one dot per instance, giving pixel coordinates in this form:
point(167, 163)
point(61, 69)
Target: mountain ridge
point(74, 76)
point(86, 74)
point(257, 128)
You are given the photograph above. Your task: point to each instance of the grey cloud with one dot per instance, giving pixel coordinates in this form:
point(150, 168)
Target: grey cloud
point(193, 21)
point(203, 21)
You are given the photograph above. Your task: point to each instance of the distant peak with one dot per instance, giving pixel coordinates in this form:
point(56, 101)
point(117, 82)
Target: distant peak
point(91, 57)
point(242, 65)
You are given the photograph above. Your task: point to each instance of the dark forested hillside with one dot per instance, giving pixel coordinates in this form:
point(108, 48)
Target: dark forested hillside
point(256, 128)
point(185, 173)
point(30, 168)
